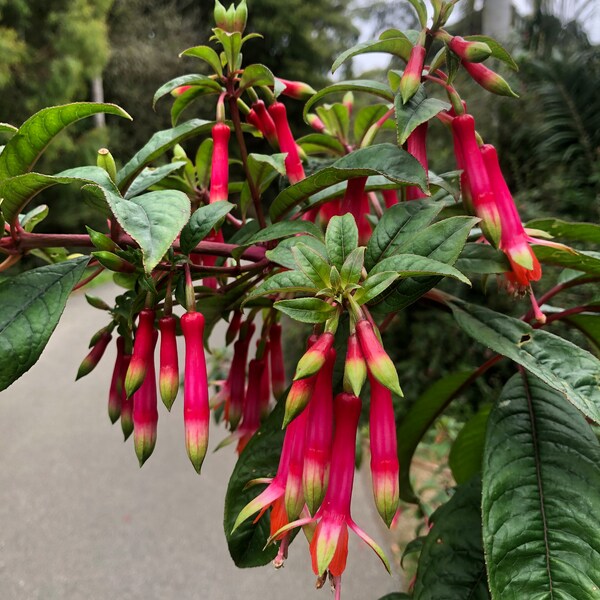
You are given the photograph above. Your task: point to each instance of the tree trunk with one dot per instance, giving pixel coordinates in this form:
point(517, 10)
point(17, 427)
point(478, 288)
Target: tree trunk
point(98, 96)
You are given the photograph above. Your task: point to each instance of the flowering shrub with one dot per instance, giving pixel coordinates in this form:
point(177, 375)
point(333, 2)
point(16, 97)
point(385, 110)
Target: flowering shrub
point(344, 247)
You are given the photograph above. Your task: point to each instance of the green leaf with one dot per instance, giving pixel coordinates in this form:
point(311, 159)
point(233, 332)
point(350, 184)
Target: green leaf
point(578, 232)
point(286, 282)
point(312, 264)
point(442, 241)
point(341, 238)
point(422, 414)
point(285, 229)
point(158, 144)
point(395, 596)
point(8, 128)
point(421, 10)
point(264, 169)
point(588, 262)
point(498, 51)
point(203, 162)
point(259, 459)
point(541, 482)
point(190, 79)
point(208, 55)
point(387, 160)
point(413, 265)
point(153, 220)
point(358, 85)
point(32, 303)
point(374, 285)
point(150, 176)
point(483, 259)
point(353, 265)
point(202, 222)
point(306, 310)
point(183, 101)
point(466, 453)
point(418, 110)
point(23, 149)
point(562, 365)
point(30, 220)
point(397, 46)
point(319, 143)
point(589, 325)
point(452, 563)
point(398, 224)
point(256, 75)
point(365, 118)
point(232, 44)
point(282, 254)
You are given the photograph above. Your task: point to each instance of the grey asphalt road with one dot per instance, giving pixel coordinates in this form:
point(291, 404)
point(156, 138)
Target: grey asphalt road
point(80, 520)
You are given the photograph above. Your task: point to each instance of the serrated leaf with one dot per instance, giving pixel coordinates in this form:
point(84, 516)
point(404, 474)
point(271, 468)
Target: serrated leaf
point(482, 258)
point(577, 232)
point(32, 303)
point(202, 222)
point(256, 75)
point(282, 254)
point(418, 110)
point(306, 310)
point(25, 147)
point(452, 563)
point(358, 85)
point(396, 46)
point(208, 55)
point(572, 371)
point(466, 454)
point(498, 51)
point(341, 238)
point(587, 262)
point(541, 482)
point(158, 144)
point(374, 285)
point(396, 226)
point(352, 268)
point(422, 414)
point(284, 282)
point(149, 177)
point(413, 265)
point(190, 79)
point(387, 160)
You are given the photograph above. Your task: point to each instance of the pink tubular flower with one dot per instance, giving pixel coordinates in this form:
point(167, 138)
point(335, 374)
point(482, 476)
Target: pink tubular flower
point(143, 347)
point(293, 164)
point(488, 79)
point(145, 412)
point(115, 393)
point(411, 79)
point(88, 364)
point(126, 403)
point(355, 368)
point(252, 403)
point(219, 174)
point(380, 365)
point(234, 327)
point(297, 89)
point(319, 432)
point(237, 376)
point(298, 397)
point(482, 194)
point(314, 358)
point(277, 362)
point(469, 51)
point(315, 123)
point(329, 544)
point(265, 385)
point(417, 147)
point(266, 125)
point(356, 203)
point(294, 493)
point(390, 197)
point(385, 470)
point(196, 411)
point(168, 377)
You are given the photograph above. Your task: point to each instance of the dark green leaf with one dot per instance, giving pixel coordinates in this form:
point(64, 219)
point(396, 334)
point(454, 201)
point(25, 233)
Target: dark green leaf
point(498, 51)
point(183, 101)
point(278, 231)
point(588, 262)
point(541, 482)
point(32, 304)
point(578, 232)
point(208, 55)
point(30, 220)
point(466, 453)
point(282, 254)
point(306, 310)
point(395, 596)
point(341, 238)
point(418, 110)
point(397, 46)
point(413, 265)
point(190, 79)
point(383, 159)
point(353, 265)
point(481, 258)
point(149, 177)
point(374, 285)
point(256, 75)
point(232, 43)
point(203, 162)
point(562, 365)
point(264, 169)
point(452, 563)
point(423, 413)
point(23, 149)
point(202, 222)
point(589, 325)
point(312, 264)
point(367, 116)
point(319, 143)
point(286, 281)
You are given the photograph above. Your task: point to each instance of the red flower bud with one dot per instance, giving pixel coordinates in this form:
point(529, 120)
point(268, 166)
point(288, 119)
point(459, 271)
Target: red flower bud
point(277, 362)
point(469, 51)
point(219, 175)
point(417, 147)
point(294, 495)
point(234, 327)
point(168, 377)
point(266, 123)
point(314, 358)
point(126, 402)
point(252, 402)
point(88, 364)
point(145, 412)
point(142, 352)
point(297, 89)
point(356, 203)
point(237, 377)
point(180, 90)
point(355, 368)
point(293, 164)
point(265, 385)
point(390, 197)
point(488, 79)
point(411, 79)
point(115, 393)
point(315, 123)
point(196, 410)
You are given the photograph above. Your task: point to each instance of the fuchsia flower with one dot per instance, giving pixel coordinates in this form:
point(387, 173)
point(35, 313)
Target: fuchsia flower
point(385, 470)
point(314, 358)
point(237, 376)
point(145, 412)
point(329, 544)
point(488, 79)
point(315, 123)
point(411, 79)
point(263, 121)
point(355, 368)
point(294, 491)
point(293, 164)
point(88, 364)
point(463, 127)
point(143, 347)
point(126, 402)
point(356, 202)
point(168, 377)
point(196, 411)
point(219, 174)
point(115, 393)
point(297, 89)
point(277, 363)
point(319, 432)
point(234, 327)
point(417, 147)
point(469, 51)
point(252, 404)
point(390, 197)
point(265, 385)
point(298, 397)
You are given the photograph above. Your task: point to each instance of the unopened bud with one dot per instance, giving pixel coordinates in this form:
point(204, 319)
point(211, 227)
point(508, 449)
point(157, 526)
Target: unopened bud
point(411, 79)
point(314, 358)
point(102, 241)
point(106, 161)
point(489, 79)
point(220, 15)
point(143, 348)
point(355, 368)
point(240, 17)
point(168, 377)
point(115, 393)
point(88, 364)
point(469, 51)
point(113, 262)
point(297, 89)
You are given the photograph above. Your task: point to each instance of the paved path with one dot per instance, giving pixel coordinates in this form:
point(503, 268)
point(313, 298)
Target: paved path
point(80, 520)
